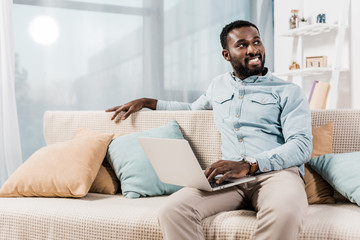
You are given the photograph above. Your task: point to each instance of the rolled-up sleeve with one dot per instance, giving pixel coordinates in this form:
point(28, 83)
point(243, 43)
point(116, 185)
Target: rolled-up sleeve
point(202, 103)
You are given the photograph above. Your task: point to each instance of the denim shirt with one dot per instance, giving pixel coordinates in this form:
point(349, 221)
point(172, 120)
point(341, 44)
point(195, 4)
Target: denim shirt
point(261, 116)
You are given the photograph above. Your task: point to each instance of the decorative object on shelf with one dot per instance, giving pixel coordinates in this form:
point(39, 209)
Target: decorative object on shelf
point(321, 18)
point(316, 61)
point(294, 66)
point(294, 19)
point(303, 22)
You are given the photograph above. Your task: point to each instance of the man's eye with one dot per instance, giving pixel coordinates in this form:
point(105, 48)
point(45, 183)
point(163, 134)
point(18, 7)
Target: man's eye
point(241, 45)
point(257, 42)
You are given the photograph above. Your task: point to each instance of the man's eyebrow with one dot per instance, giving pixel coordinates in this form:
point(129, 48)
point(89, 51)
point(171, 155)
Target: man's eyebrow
point(241, 41)
point(244, 40)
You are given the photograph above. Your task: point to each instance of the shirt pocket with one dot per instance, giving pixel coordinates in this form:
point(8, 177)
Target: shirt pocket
point(263, 99)
point(222, 106)
point(265, 107)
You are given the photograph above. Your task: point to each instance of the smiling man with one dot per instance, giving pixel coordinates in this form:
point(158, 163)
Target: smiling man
point(265, 127)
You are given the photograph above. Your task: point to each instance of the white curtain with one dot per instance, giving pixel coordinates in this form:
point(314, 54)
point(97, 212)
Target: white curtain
point(10, 150)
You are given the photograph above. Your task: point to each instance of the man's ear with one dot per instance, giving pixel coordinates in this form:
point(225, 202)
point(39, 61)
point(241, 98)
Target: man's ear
point(226, 54)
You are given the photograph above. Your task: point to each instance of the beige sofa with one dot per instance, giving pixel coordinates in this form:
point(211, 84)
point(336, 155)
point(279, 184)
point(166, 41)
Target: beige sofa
point(100, 216)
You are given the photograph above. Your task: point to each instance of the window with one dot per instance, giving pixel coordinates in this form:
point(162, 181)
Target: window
point(95, 54)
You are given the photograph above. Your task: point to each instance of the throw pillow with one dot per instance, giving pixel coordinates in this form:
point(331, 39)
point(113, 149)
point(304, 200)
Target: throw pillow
point(137, 176)
point(342, 172)
point(65, 169)
point(322, 139)
point(106, 181)
point(317, 189)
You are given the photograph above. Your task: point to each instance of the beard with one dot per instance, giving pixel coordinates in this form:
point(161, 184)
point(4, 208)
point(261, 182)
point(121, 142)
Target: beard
point(243, 70)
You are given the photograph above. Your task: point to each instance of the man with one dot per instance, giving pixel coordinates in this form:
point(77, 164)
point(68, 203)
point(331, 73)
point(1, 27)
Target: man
point(265, 127)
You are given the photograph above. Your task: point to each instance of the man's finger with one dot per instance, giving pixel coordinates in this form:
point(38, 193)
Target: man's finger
point(208, 170)
point(114, 115)
point(214, 173)
point(117, 112)
point(128, 113)
point(225, 177)
point(125, 116)
point(112, 109)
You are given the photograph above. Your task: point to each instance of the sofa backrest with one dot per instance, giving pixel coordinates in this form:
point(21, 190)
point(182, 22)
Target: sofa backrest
point(197, 127)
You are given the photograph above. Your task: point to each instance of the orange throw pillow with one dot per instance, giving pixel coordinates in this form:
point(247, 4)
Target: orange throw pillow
point(317, 189)
point(106, 181)
point(65, 169)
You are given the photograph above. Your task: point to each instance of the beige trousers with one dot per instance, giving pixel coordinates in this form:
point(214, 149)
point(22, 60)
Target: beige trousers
point(278, 197)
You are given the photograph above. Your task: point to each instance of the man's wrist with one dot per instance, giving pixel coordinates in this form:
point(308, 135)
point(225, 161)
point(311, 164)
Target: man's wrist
point(254, 167)
point(150, 103)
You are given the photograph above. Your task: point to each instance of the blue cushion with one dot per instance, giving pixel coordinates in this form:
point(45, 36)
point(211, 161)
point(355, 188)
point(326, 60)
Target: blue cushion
point(342, 172)
point(132, 167)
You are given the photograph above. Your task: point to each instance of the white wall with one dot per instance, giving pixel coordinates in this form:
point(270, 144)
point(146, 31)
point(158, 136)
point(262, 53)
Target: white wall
point(320, 45)
point(355, 50)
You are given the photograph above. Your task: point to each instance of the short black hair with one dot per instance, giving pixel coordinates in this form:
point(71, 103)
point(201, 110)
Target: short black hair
point(236, 24)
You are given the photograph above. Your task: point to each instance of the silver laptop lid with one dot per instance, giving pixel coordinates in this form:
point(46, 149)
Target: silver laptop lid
point(175, 163)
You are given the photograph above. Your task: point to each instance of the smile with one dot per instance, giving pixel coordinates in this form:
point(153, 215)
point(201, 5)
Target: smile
point(254, 61)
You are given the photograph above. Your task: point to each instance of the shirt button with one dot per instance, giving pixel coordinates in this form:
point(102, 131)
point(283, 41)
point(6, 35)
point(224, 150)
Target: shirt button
point(240, 140)
point(242, 155)
point(242, 83)
point(236, 129)
point(265, 169)
point(262, 101)
point(237, 115)
point(240, 97)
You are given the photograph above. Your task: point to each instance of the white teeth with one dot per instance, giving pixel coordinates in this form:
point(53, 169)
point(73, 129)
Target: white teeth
point(254, 60)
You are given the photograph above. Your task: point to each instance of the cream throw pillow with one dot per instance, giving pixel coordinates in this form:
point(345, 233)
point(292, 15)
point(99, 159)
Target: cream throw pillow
point(317, 189)
point(65, 169)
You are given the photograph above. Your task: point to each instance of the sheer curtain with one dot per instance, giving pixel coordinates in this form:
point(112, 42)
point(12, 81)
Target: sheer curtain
point(10, 150)
point(94, 54)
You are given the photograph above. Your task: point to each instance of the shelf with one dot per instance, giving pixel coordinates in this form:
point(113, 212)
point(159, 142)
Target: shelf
point(310, 30)
point(304, 72)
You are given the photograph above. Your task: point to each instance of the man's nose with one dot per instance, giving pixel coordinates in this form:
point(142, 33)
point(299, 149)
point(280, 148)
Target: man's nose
point(251, 49)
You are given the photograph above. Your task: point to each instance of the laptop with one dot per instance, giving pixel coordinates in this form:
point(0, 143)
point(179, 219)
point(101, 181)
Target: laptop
point(175, 163)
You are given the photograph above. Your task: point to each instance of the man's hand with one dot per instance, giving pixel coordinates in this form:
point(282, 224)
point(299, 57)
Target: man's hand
point(229, 169)
point(132, 107)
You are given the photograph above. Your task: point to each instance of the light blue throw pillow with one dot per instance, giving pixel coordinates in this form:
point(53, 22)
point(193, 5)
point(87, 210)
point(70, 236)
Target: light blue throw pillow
point(135, 172)
point(342, 172)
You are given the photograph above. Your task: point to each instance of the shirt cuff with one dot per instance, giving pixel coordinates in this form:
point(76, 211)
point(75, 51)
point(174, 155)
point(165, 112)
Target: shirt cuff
point(263, 162)
point(161, 105)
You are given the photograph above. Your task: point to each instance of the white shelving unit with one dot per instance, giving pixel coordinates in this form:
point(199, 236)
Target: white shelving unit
point(336, 68)
point(310, 30)
point(306, 72)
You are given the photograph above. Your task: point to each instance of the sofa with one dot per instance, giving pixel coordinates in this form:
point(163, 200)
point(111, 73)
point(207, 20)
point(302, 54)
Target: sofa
point(103, 216)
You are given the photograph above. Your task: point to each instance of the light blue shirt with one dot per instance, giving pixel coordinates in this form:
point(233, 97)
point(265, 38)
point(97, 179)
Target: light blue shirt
point(261, 116)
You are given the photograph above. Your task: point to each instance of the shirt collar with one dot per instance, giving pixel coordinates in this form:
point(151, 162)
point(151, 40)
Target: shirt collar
point(255, 78)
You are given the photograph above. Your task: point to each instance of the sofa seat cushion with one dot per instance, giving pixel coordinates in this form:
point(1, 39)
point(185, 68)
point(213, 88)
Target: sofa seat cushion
point(96, 216)
point(322, 222)
point(99, 216)
point(332, 221)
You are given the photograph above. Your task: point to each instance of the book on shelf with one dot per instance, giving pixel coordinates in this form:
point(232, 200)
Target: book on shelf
point(318, 95)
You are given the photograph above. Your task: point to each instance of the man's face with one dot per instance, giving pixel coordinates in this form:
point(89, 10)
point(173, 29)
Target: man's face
point(245, 52)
